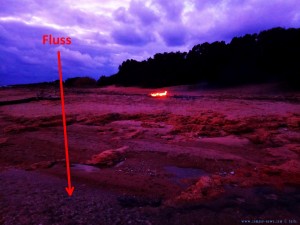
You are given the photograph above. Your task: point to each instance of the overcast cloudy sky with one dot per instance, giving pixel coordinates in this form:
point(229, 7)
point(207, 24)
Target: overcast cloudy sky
point(106, 32)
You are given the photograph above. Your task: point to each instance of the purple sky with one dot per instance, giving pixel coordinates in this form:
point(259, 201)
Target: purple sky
point(106, 32)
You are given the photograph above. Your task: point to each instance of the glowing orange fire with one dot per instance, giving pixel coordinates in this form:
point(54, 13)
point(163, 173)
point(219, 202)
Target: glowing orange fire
point(159, 94)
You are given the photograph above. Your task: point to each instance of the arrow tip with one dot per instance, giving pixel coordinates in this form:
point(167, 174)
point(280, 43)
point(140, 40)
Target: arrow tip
point(70, 190)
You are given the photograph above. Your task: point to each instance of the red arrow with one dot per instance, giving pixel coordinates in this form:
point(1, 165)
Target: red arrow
point(70, 188)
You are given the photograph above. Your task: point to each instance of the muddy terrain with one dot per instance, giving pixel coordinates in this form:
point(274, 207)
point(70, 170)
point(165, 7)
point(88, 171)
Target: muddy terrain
point(228, 156)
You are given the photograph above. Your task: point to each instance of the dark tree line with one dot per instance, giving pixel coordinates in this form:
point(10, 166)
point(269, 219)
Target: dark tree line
point(272, 55)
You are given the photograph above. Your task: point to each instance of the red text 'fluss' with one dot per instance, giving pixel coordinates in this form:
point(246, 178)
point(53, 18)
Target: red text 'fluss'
point(49, 39)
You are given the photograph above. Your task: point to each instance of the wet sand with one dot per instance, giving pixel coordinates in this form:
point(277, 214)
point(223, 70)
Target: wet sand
point(194, 157)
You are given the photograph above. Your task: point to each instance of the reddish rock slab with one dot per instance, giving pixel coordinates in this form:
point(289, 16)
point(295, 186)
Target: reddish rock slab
point(108, 158)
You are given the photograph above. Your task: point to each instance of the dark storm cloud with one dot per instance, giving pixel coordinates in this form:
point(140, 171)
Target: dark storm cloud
point(144, 14)
point(22, 43)
point(129, 35)
point(122, 15)
point(231, 18)
point(104, 33)
point(10, 8)
point(171, 9)
point(24, 57)
point(174, 35)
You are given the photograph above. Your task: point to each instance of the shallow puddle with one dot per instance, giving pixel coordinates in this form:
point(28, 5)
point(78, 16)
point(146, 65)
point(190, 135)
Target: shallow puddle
point(180, 173)
point(85, 168)
point(257, 200)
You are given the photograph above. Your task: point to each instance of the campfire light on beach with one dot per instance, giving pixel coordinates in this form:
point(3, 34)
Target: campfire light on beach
point(159, 94)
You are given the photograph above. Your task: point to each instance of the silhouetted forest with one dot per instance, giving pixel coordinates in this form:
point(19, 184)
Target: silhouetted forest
point(271, 55)
point(80, 82)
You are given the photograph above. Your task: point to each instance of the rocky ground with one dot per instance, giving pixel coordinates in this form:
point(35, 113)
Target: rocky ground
point(194, 157)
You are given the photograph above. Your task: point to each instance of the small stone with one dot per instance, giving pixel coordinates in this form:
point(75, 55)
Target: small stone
point(240, 200)
point(3, 140)
point(223, 174)
point(271, 197)
point(167, 137)
point(42, 165)
point(108, 158)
